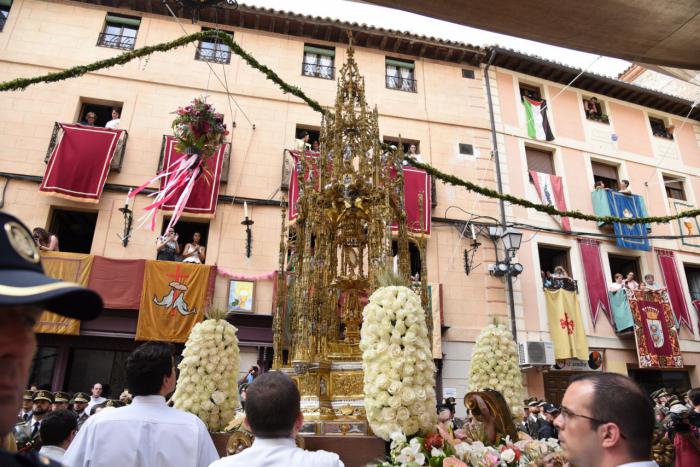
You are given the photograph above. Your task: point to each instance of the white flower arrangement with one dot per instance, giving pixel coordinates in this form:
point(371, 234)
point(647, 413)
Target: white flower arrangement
point(207, 386)
point(495, 366)
point(399, 372)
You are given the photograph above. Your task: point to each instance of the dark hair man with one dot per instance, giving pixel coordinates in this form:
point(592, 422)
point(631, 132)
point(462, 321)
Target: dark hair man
point(24, 292)
point(57, 432)
point(273, 413)
point(146, 433)
point(80, 403)
point(606, 420)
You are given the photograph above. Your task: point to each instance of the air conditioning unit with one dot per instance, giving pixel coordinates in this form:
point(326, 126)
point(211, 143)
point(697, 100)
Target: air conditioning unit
point(536, 353)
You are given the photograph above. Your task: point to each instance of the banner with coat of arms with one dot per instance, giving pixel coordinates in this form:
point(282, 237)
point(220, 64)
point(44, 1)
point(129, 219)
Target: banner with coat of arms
point(654, 331)
point(172, 301)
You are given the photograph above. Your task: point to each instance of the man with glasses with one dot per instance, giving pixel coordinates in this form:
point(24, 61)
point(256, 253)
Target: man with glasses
point(606, 420)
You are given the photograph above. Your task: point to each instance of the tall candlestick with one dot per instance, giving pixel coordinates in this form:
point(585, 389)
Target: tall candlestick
point(245, 209)
point(471, 227)
point(126, 201)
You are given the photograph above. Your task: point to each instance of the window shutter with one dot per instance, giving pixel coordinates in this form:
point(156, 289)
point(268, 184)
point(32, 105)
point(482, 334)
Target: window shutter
point(114, 19)
point(319, 51)
point(400, 63)
point(604, 170)
point(539, 161)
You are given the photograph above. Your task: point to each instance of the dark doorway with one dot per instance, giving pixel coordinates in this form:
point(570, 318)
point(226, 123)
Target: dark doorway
point(676, 382)
point(43, 365)
point(74, 229)
point(551, 257)
point(314, 134)
point(88, 366)
point(624, 265)
point(103, 113)
point(186, 229)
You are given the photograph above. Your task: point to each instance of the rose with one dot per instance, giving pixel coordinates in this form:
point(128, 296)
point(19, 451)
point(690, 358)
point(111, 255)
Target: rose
point(433, 440)
point(508, 455)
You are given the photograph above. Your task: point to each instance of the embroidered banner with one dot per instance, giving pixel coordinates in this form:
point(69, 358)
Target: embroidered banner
point(656, 338)
point(675, 290)
point(118, 281)
point(202, 200)
point(688, 227)
point(79, 164)
point(551, 191)
point(71, 267)
point(629, 206)
point(596, 285)
point(173, 300)
point(566, 325)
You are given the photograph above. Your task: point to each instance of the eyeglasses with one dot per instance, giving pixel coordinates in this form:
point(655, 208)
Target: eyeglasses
point(567, 413)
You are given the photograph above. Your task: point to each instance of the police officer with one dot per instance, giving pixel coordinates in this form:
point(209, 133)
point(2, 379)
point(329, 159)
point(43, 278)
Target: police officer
point(80, 403)
point(24, 292)
point(26, 412)
point(27, 433)
point(60, 401)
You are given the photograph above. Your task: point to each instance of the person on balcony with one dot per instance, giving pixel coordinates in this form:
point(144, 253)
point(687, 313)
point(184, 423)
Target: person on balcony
point(630, 283)
point(90, 118)
point(650, 283)
point(45, 240)
point(167, 246)
point(622, 314)
point(599, 185)
point(315, 146)
point(302, 144)
point(546, 279)
point(114, 123)
point(194, 252)
point(625, 187)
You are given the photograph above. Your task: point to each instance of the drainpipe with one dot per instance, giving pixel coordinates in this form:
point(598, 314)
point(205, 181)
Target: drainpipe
point(499, 181)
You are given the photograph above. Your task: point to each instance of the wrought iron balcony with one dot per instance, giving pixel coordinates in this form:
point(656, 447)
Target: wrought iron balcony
point(117, 160)
point(116, 41)
point(556, 283)
point(401, 84)
point(212, 52)
point(318, 71)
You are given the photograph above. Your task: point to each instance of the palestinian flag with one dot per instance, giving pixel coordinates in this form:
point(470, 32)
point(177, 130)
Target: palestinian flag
point(536, 117)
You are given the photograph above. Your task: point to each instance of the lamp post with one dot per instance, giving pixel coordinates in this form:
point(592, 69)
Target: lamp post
point(511, 240)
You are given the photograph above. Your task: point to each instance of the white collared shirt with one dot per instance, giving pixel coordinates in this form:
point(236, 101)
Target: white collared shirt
point(283, 452)
point(93, 402)
point(55, 453)
point(640, 464)
point(146, 433)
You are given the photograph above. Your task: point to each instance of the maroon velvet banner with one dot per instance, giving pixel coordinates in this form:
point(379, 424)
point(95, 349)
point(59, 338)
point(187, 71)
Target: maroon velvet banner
point(202, 200)
point(311, 158)
point(656, 337)
point(675, 290)
point(79, 164)
point(118, 281)
point(596, 285)
point(416, 183)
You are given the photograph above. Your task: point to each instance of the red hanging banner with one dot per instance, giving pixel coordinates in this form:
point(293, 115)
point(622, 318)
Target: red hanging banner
point(675, 291)
point(596, 285)
point(655, 334)
point(202, 200)
point(79, 164)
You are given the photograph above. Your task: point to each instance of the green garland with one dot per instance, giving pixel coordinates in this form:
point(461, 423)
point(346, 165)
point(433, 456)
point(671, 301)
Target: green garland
point(548, 209)
point(22, 83)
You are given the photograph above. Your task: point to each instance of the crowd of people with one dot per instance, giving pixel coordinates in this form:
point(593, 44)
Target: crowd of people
point(559, 279)
point(628, 282)
point(624, 186)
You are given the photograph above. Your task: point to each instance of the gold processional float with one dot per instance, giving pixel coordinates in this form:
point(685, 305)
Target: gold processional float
point(349, 211)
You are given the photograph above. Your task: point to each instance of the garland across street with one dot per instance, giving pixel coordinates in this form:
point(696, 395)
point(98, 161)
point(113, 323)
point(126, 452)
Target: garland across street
point(74, 72)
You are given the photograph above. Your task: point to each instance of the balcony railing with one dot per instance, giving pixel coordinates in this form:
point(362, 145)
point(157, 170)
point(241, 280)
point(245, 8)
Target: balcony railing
point(401, 84)
point(212, 52)
point(596, 117)
point(555, 283)
point(117, 160)
point(318, 71)
point(115, 41)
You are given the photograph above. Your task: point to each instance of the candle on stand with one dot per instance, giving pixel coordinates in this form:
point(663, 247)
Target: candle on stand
point(471, 227)
point(245, 209)
point(396, 264)
point(126, 201)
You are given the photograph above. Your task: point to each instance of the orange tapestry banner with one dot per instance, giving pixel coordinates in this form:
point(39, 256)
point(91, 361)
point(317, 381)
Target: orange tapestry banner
point(71, 267)
point(173, 300)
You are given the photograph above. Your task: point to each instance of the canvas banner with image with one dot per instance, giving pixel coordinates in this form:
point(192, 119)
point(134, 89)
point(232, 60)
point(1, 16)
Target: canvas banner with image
point(241, 296)
point(687, 226)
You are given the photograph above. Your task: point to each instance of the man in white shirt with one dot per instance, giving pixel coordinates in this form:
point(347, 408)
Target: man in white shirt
point(272, 411)
point(57, 431)
point(146, 433)
point(96, 397)
point(606, 420)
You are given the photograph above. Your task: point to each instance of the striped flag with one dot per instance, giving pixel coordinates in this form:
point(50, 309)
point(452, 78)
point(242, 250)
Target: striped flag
point(536, 117)
point(551, 191)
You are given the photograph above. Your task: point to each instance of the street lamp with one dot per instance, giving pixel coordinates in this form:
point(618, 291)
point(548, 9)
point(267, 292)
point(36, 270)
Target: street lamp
point(511, 242)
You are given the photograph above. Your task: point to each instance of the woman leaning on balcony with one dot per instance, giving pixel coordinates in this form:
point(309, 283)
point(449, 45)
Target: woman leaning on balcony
point(45, 240)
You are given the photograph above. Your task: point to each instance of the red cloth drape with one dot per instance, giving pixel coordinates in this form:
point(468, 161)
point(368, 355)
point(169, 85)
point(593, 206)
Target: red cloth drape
point(596, 285)
point(203, 198)
point(79, 164)
point(416, 182)
point(118, 281)
point(311, 158)
point(675, 291)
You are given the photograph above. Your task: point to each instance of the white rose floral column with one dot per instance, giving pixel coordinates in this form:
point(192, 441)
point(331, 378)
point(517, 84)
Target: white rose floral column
point(207, 386)
point(398, 363)
point(495, 366)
